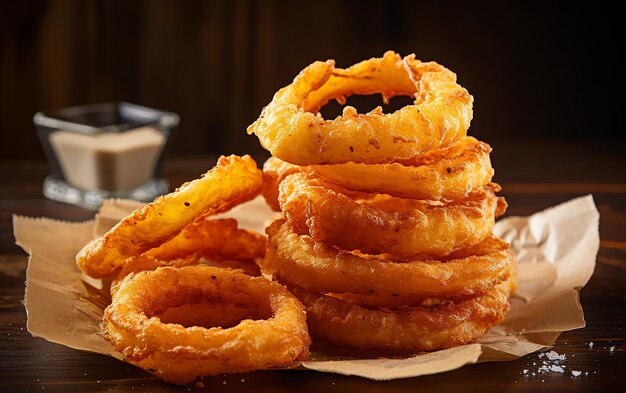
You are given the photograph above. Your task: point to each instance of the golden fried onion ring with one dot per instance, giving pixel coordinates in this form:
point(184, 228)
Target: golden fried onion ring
point(178, 354)
point(217, 242)
point(451, 173)
point(274, 172)
point(312, 266)
point(212, 239)
point(384, 224)
point(395, 302)
point(142, 263)
point(291, 130)
point(390, 302)
point(232, 181)
point(444, 325)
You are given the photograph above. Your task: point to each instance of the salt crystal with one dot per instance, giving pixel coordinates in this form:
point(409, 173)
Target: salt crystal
point(576, 373)
point(591, 344)
point(552, 362)
point(612, 348)
point(555, 356)
point(556, 369)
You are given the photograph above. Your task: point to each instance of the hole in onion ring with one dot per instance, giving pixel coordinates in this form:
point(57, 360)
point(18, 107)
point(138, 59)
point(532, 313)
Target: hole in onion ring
point(365, 104)
point(207, 310)
point(208, 314)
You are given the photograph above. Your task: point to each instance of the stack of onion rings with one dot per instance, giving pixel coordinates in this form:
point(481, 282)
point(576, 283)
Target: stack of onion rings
point(385, 242)
point(172, 313)
point(386, 236)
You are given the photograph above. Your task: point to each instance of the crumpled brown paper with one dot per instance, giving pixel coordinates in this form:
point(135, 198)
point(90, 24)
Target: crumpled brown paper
point(555, 250)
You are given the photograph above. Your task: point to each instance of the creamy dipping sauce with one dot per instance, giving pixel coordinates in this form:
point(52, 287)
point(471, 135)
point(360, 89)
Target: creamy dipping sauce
point(110, 161)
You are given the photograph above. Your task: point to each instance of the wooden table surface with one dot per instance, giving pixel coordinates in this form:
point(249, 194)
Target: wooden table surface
point(534, 174)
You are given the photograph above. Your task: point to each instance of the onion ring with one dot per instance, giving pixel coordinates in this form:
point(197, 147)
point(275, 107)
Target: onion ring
point(401, 227)
point(450, 174)
point(142, 263)
point(145, 262)
point(217, 242)
point(290, 129)
point(212, 239)
point(415, 329)
point(395, 302)
point(232, 181)
point(274, 172)
point(321, 268)
point(178, 354)
point(390, 302)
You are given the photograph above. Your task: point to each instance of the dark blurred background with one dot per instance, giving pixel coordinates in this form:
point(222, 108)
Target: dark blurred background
point(543, 73)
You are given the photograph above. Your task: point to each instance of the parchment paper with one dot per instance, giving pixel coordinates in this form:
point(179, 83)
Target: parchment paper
point(555, 250)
